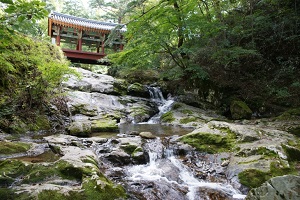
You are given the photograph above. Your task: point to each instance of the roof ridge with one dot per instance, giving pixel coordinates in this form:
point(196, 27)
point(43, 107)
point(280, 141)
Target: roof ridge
point(83, 19)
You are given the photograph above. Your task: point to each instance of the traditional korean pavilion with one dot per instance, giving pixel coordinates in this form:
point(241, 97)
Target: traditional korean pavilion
point(83, 40)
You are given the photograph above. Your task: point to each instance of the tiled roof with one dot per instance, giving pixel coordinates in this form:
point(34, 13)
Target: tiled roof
point(86, 23)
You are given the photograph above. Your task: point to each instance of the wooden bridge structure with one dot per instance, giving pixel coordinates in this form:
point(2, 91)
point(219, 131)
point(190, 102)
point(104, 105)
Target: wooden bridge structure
point(84, 40)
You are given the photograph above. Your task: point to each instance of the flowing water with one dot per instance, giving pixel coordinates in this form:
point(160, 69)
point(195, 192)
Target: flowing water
point(163, 104)
point(165, 175)
point(166, 169)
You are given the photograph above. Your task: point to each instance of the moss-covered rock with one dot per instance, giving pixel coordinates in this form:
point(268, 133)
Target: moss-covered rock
point(120, 86)
point(253, 178)
point(240, 110)
point(104, 125)
point(84, 109)
point(139, 90)
point(293, 153)
point(128, 148)
point(102, 189)
point(57, 195)
point(291, 114)
point(210, 143)
point(167, 117)
point(188, 120)
point(9, 170)
point(13, 147)
point(80, 128)
point(282, 187)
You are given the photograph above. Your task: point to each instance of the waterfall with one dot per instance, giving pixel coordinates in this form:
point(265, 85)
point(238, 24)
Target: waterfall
point(163, 104)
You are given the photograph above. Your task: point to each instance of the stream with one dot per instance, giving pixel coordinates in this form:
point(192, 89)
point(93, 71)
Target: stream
point(169, 172)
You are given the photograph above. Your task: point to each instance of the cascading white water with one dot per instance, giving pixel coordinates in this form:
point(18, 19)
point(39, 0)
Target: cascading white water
point(159, 167)
point(163, 104)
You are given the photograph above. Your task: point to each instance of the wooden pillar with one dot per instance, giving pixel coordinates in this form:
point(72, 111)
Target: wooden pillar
point(121, 45)
point(57, 30)
point(79, 41)
point(102, 43)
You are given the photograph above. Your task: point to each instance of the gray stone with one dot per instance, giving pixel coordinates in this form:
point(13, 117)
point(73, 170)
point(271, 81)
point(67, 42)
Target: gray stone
point(278, 188)
point(80, 128)
point(147, 135)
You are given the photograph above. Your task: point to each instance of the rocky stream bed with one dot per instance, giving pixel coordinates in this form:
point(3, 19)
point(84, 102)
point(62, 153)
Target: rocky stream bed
point(126, 141)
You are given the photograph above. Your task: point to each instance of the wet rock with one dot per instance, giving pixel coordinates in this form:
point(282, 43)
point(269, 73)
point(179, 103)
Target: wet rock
point(119, 158)
point(99, 140)
point(80, 128)
point(147, 135)
point(282, 187)
point(240, 110)
point(139, 156)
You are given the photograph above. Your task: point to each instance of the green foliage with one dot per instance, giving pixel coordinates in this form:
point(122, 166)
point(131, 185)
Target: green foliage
point(22, 16)
point(31, 73)
point(247, 50)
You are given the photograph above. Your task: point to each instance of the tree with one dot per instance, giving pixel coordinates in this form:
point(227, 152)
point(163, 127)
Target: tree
point(22, 15)
point(115, 10)
point(248, 48)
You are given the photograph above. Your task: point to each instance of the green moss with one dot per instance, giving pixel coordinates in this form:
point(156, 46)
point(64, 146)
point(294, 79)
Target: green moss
point(138, 111)
point(167, 117)
point(41, 123)
point(68, 171)
point(187, 112)
point(138, 149)
point(266, 152)
point(210, 143)
point(240, 110)
point(104, 125)
point(293, 153)
point(38, 172)
point(176, 106)
point(13, 147)
point(295, 131)
point(9, 194)
point(91, 160)
point(10, 169)
point(187, 120)
point(106, 190)
point(292, 114)
point(129, 148)
point(280, 169)
point(253, 178)
point(56, 195)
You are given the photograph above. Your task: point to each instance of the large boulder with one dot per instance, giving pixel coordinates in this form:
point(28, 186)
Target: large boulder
point(138, 90)
point(80, 128)
point(104, 125)
point(279, 188)
point(240, 110)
